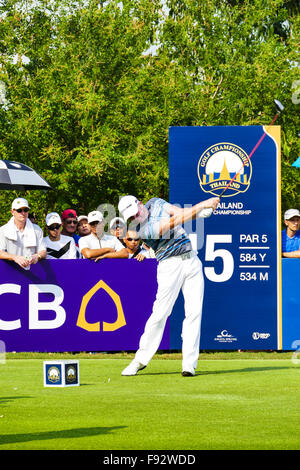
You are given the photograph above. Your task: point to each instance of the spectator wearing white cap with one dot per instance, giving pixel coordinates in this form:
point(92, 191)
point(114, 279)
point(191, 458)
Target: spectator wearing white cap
point(98, 243)
point(290, 237)
point(83, 227)
point(58, 246)
point(20, 240)
point(118, 228)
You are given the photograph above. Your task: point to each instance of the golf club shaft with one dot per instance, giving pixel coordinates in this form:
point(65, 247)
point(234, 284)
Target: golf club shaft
point(250, 155)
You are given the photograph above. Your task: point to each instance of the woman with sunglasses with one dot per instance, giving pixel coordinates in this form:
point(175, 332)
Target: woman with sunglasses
point(58, 246)
point(20, 240)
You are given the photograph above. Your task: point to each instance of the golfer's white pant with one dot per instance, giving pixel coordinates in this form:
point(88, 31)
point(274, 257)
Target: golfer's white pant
point(174, 274)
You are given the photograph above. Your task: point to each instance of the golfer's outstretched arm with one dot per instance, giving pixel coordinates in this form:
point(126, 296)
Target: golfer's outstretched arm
point(179, 216)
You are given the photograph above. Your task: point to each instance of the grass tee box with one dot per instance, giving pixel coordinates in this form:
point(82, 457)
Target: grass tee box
point(61, 373)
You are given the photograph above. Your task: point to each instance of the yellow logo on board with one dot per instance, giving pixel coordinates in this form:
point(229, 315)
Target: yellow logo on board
point(81, 320)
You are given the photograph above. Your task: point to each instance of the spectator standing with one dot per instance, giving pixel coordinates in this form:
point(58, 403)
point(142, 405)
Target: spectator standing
point(20, 240)
point(69, 226)
point(83, 227)
point(97, 243)
point(118, 228)
point(134, 248)
point(290, 237)
point(58, 246)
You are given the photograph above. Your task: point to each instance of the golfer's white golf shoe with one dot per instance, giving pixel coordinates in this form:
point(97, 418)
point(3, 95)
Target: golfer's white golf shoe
point(133, 368)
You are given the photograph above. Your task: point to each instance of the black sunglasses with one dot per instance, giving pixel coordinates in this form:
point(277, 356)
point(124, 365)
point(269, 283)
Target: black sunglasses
point(69, 222)
point(94, 223)
point(54, 227)
point(24, 209)
point(132, 239)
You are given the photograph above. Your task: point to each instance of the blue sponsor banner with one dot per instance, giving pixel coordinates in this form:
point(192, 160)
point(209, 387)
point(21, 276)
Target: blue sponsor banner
point(239, 245)
point(77, 305)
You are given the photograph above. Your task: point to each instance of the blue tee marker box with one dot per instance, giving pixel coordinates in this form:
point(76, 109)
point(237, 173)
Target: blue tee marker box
point(61, 373)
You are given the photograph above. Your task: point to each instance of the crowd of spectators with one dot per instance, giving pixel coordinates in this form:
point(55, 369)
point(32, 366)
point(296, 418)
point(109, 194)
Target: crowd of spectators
point(68, 236)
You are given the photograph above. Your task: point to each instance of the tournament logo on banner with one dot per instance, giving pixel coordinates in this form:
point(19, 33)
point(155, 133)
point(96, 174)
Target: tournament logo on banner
point(218, 165)
point(54, 374)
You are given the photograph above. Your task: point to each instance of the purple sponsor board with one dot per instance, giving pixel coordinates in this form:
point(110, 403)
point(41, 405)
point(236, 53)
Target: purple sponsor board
point(77, 305)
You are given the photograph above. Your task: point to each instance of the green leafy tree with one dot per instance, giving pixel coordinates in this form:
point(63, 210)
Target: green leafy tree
point(92, 87)
point(235, 62)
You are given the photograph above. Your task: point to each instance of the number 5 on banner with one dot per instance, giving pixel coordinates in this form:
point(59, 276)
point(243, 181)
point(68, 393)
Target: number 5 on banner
point(211, 254)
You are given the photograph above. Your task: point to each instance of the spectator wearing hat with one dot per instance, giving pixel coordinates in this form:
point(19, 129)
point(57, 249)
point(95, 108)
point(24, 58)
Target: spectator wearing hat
point(97, 243)
point(118, 229)
point(69, 226)
point(290, 237)
point(20, 240)
point(58, 246)
point(83, 227)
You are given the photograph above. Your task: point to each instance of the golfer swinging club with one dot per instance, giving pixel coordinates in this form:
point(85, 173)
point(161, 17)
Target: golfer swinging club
point(159, 226)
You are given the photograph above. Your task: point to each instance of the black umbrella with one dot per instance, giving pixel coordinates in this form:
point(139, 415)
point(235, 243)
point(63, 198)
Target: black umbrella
point(14, 175)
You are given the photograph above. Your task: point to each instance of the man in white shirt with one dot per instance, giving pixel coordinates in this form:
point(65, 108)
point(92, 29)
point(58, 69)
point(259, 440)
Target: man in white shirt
point(58, 246)
point(97, 243)
point(20, 240)
point(132, 246)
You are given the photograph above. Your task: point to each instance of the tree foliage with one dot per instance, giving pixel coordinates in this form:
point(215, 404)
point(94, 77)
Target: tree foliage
point(92, 88)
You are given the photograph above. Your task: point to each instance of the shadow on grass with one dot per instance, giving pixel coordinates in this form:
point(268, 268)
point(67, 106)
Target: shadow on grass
point(245, 369)
point(216, 372)
point(4, 400)
point(63, 434)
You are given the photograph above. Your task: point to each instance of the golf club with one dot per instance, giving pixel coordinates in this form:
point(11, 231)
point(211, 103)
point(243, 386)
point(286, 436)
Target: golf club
point(279, 108)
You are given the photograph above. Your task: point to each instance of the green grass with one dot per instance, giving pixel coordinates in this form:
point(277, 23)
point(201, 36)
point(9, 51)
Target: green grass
point(236, 401)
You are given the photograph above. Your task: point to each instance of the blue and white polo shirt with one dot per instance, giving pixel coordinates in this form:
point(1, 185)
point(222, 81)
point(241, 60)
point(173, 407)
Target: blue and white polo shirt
point(173, 243)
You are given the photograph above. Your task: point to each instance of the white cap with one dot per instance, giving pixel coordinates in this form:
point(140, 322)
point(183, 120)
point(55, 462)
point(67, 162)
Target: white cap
point(95, 216)
point(291, 213)
point(117, 221)
point(82, 217)
point(53, 218)
point(128, 206)
point(19, 202)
